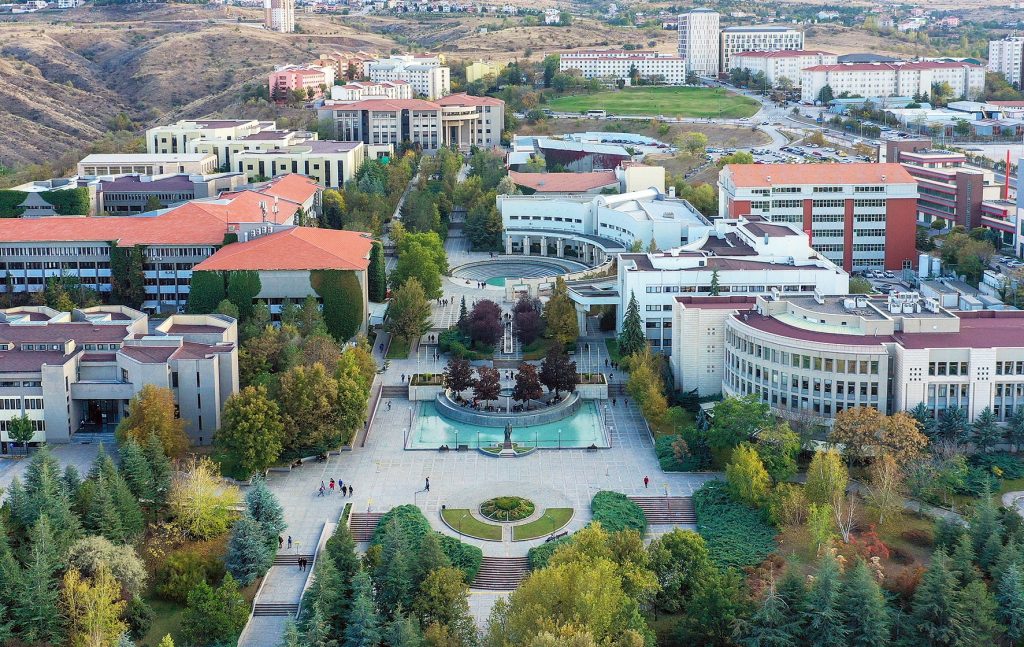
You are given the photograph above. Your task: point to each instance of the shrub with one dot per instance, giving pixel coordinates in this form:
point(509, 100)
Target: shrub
point(183, 571)
point(787, 505)
point(462, 555)
point(616, 512)
point(922, 537)
point(139, 617)
point(415, 526)
point(901, 556)
point(1010, 465)
point(675, 455)
point(539, 555)
point(736, 534)
point(979, 480)
point(507, 508)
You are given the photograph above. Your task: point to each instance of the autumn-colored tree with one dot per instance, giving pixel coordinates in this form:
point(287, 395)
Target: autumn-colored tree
point(251, 430)
point(884, 494)
point(151, 413)
point(458, 376)
point(858, 429)
point(560, 315)
point(747, 478)
point(308, 397)
point(902, 438)
point(528, 385)
point(93, 609)
point(488, 384)
point(202, 505)
point(826, 477)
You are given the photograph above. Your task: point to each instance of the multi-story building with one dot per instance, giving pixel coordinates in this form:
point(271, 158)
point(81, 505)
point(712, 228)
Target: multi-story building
point(892, 79)
point(329, 163)
point(125, 195)
point(360, 90)
point(146, 164)
point(180, 137)
point(1006, 57)
point(347, 66)
point(456, 120)
point(698, 41)
point(859, 216)
point(620, 64)
point(756, 38)
point(477, 70)
point(311, 81)
point(743, 256)
point(75, 372)
point(949, 190)
point(815, 356)
point(428, 76)
point(776, 65)
point(279, 15)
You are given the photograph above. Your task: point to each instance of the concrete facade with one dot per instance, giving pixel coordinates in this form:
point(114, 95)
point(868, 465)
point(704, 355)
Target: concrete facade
point(764, 38)
point(428, 76)
point(146, 164)
point(698, 41)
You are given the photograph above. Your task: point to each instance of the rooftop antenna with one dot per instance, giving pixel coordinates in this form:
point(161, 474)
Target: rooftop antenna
point(263, 210)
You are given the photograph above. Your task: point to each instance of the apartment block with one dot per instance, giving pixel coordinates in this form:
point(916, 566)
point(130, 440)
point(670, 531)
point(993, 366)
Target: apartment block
point(618, 65)
point(279, 15)
point(73, 373)
point(698, 41)
point(859, 216)
point(360, 90)
point(1006, 57)
point(428, 76)
point(762, 38)
point(311, 81)
point(776, 65)
point(892, 79)
point(329, 163)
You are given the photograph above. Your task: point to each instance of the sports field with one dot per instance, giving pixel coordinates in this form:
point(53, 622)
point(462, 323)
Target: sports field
point(662, 100)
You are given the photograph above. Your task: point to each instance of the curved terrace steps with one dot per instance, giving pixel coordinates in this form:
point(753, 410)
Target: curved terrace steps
point(362, 524)
point(669, 510)
point(501, 573)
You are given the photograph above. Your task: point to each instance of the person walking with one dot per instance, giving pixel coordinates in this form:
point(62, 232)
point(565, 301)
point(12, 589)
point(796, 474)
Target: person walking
point(389, 405)
point(321, 489)
point(344, 490)
point(331, 486)
point(350, 490)
point(427, 486)
point(646, 482)
point(289, 542)
point(280, 542)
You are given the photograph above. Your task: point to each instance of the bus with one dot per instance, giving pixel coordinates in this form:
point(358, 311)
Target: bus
point(597, 114)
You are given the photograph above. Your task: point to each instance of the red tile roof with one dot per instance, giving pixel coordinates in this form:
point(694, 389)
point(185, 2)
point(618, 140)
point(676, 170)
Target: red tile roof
point(785, 53)
point(463, 99)
point(293, 187)
point(564, 182)
point(298, 248)
point(767, 175)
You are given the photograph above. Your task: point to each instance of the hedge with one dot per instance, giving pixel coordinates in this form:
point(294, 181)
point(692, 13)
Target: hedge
point(342, 298)
point(243, 287)
point(539, 555)
point(616, 512)
point(377, 285)
point(415, 526)
point(736, 534)
point(68, 202)
point(9, 203)
point(205, 292)
point(128, 283)
point(462, 555)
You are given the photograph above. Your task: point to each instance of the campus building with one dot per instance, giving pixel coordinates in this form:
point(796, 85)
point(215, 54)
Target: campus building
point(762, 38)
point(815, 355)
point(620, 64)
point(279, 15)
point(75, 372)
point(360, 90)
point(698, 41)
point(776, 65)
point(146, 164)
point(478, 70)
point(330, 163)
point(1006, 57)
point(859, 216)
point(124, 195)
point(215, 136)
point(311, 81)
point(428, 76)
point(892, 79)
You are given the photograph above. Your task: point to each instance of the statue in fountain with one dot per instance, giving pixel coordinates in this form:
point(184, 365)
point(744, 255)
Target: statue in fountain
point(508, 435)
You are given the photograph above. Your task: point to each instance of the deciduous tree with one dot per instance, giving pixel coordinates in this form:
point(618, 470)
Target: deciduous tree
point(778, 446)
point(902, 438)
point(458, 375)
point(528, 386)
point(202, 505)
point(560, 315)
point(557, 371)
point(858, 430)
point(443, 600)
point(151, 412)
point(215, 616)
point(826, 477)
point(736, 420)
point(377, 285)
point(308, 397)
point(884, 494)
point(487, 384)
point(408, 314)
point(747, 478)
point(484, 325)
point(251, 431)
point(93, 608)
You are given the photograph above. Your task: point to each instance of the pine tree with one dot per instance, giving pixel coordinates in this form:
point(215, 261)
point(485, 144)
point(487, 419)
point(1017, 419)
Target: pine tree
point(984, 525)
point(404, 631)
point(135, 470)
point(823, 613)
point(770, 626)
point(101, 516)
point(326, 602)
point(125, 502)
point(70, 481)
point(923, 415)
point(980, 607)
point(249, 556)
point(340, 551)
point(715, 287)
point(1010, 597)
point(429, 557)
point(937, 616)
point(376, 275)
point(463, 322)
point(159, 467)
point(267, 512)
point(867, 618)
point(1015, 429)
point(362, 629)
point(985, 430)
point(962, 561)
point(632, 339)
point(291, 637)
point(317, 632)
point(394, 575)
point(793, 592)
point(10, 583)
point(37, 610)
point(42, 495)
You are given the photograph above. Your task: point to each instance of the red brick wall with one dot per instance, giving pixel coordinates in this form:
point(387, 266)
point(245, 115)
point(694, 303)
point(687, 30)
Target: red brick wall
point(808, 220)
point(900, 232)
point(848, 236)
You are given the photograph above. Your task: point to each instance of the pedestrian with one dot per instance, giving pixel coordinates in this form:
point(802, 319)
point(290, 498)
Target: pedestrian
point(627, 401)
point(427, 486)
point(389, 405)
point(340, 483)
point(403, 377)
point(280, 542)
point(381, 348)
point(646, 481)
point(350, 490)
point(606, 362)
point(289, 542)
point(331, 486)
point(299, 562)
point(344, 490)
point(615, 402)
point(321, 489)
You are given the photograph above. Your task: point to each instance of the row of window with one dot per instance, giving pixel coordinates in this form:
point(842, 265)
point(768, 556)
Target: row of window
point(1009, 368)
point(15, 404)
point(799, 360)
point(55, 251)
point(13, 384)
point(950, 368)
point(37, 425)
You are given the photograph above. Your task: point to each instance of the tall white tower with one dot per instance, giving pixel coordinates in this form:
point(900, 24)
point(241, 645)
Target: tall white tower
point(698, 41)
point(279, 15)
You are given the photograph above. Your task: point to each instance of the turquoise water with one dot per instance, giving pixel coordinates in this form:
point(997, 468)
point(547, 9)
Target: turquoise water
point(497, 280)
point(582, 429)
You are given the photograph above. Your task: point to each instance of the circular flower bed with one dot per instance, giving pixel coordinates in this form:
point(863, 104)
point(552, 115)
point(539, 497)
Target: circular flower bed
point(507, 508)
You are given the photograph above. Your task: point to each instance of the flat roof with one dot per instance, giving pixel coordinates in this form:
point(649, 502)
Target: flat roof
point(768, 175)
point(142, 158)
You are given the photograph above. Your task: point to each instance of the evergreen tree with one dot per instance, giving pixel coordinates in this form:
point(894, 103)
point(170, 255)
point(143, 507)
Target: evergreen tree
point(962, 561)
point(792, 590)
point(715, 287)
point(265, 510)
point(125, 641)
point(632, 338)
point(10, 583)
point(867, 618)
point(376, 275)
point(291, 637)
point(249, 556)
point(1010, 598)
point(317, 631)
point(429, 557)
point(985, 430)
point(1015, 429)
point(824, 619)
point(770, 626)
point(101, 516)
point(394, 575)
point(215, 616)
point(984, 526)
point(362, 629)
point(980, 607)
point(404, 631)
point(37, 609)
point(135, 470)
point(125, 502)
point(340, 552)
point(953, 425)
point(937, 616)
point(42, 494)
point(326, 602)
point(923, 415)
point(463, 322)
point(159, 467)
point(70, 481)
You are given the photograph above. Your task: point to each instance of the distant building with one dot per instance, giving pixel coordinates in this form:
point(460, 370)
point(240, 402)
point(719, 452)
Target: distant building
point(279, 15)
point(329, 163)
point(763, 38)
point(477, 70)
point(592, 182)
point(892, 79)
point(698, 41)
point(146, 164)
point(360, 90)
point(619, 64)
point(1006, 57)
point(427, 75)
point(780, 64)
point(552, 16)
point(310, 81)
point(124, 195)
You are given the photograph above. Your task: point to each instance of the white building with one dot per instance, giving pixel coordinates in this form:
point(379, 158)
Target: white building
point(763, 38)
point(1006, 57)
point(780, 64)
point(618, 64)
point(552, 16)
point(427, 75)
point(698, 41)
point(892, 79)
point(745, 257)
point(360, 90)
point(279, 15)
point(146, 164)
point(69, 4)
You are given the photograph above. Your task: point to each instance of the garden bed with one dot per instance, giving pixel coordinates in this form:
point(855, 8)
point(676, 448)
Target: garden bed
point(507, 508)
point(398, 348)
point(553, 520)
point(736, 534)
point(463, 522)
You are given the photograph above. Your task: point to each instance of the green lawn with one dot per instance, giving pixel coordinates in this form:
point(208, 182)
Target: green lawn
point(613, 349)
point(462, 521)
point(662, 100)
point(398, 349)
point(552, 520)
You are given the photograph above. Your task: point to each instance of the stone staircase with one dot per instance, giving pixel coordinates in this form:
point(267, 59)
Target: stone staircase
point(616, 390)
point(290, 560)
point(501, 573)
point(666, 510)
point(95, 438)
point(394, 392)
point(275, 609)
point(362, 524)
